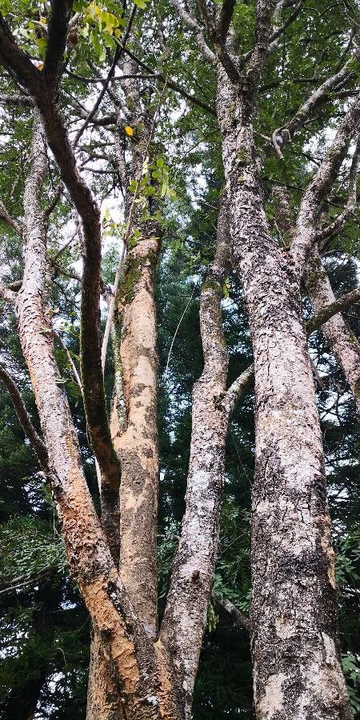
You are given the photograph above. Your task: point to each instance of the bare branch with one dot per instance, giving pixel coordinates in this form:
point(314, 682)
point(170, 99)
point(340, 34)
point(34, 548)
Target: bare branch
point(329, 311)
point(238, 388)
point(37, 444)
point(278, 30)
point(338, 223)
point(54, 201)
point(239, 618)
point(170, 84)
point(319, 186)
point(23, 581)
point(342, 342)
point(111, 308)
point(192, 23)
point(14, 223)
point(17, 100)
point(287, 131)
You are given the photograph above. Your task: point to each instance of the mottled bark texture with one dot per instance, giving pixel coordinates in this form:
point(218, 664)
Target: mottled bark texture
point(134, 406)
point(104, 694)
point(194, 565)
point(342, 342)
point(130, 654)
point(137, 445)
point(295, 645)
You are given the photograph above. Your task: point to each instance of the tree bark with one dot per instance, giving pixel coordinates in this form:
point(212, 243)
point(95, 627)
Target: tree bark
point(192, 576)
point(104, 701)
point(129, 651)
point(343, 344)
point(134, 407)
point(295, 645)
point(137, 445)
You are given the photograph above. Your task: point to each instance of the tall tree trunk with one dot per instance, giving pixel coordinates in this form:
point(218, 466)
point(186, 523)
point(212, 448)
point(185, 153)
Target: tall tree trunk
point(140, 668)
point(192, 576)
point(295, 644)
point(137, 445)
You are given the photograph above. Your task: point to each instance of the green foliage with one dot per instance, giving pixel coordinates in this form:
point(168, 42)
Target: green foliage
point(27, 549)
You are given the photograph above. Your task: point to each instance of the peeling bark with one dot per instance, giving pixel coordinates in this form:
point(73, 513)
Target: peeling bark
point(137, 445)
point(128, 651)
point(135, 438)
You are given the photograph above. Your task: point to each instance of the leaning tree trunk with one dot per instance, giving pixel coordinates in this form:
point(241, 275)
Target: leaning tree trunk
point(141, 669)
point(295, 645)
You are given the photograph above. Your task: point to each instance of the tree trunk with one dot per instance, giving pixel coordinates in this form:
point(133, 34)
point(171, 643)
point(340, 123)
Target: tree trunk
point(137, 446)
point(192, 577)
point(295, 645)
point(136, 663)
point(104, 694)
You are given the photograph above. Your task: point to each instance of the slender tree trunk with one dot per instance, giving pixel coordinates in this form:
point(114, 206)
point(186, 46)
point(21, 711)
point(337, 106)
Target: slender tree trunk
point(194, 565)
point(295, 645)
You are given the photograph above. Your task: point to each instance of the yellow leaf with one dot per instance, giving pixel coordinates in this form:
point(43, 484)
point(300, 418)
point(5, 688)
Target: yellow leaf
point(129, 131)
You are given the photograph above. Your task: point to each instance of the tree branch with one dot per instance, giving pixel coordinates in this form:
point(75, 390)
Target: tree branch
point(58, 27)
point(278, 30)
point(14, 223)
point(287, 131)
point(119, 50)
point(37, 444)
point(95, 404)
point(329, 311)
point(17, 100)
point(338, 223)
point(343, 344)
point(239, 618)
point(238, 389)
point(170, 84)
point(319, 186)
point(261, 45)
point(190, 21)
point(244, 382)
point(226, 13)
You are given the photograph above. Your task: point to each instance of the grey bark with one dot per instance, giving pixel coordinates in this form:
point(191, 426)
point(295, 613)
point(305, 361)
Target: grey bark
point(342, 342)
point(295, 646)
point(194, 565)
